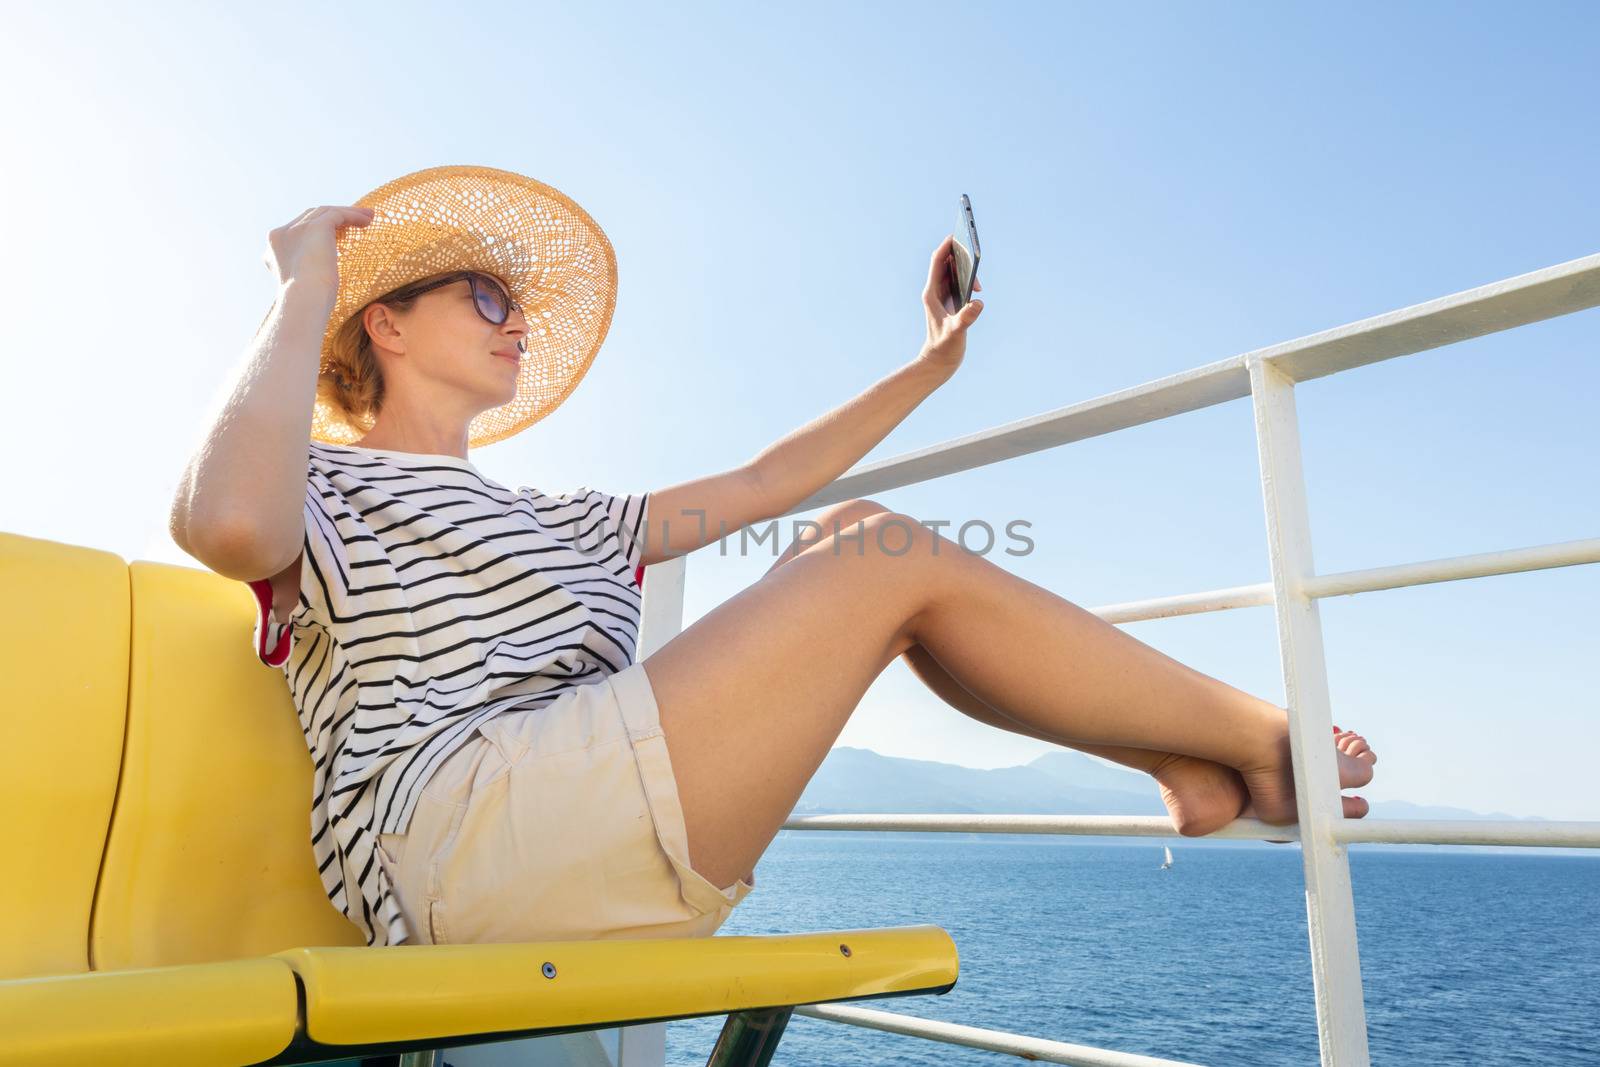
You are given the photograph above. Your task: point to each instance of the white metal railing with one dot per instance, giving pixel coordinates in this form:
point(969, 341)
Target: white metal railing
point(1268, 376)
point(1562, 554)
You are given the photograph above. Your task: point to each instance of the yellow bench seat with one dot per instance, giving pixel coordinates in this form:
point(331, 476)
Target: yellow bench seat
point(440, 994)
point(236, 1012)
point(369, 1001)
point(157, 786)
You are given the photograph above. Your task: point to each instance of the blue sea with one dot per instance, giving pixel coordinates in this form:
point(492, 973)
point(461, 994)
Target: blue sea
point(1468, 957)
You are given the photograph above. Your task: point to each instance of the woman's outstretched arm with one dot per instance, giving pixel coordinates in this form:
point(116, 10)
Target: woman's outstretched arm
point(807, 459)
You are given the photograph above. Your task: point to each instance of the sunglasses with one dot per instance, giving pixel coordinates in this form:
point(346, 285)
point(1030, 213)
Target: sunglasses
point(490, 299)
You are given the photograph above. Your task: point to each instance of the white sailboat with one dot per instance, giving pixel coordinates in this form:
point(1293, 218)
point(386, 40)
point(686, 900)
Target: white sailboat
point(1168, 861)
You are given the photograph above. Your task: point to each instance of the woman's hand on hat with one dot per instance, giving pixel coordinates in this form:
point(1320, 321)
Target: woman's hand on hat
point(305, 249)
point(947, 325)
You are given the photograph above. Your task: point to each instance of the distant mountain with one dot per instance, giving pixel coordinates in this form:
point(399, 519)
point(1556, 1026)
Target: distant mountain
point(1404, 809)
point(1065, 782)
point(1077, 769)
point(1057, 783)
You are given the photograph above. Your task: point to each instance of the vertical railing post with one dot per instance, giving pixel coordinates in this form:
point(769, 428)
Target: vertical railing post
point(1330, 904)
point(663, 604)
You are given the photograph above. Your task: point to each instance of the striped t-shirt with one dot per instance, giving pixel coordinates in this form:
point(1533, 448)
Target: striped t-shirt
point(432, 598)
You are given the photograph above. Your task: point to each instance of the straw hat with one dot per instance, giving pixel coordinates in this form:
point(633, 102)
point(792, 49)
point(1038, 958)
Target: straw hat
point(557, 261)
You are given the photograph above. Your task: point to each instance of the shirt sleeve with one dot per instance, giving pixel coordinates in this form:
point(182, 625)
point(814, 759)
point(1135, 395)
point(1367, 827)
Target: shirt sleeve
point(324, 571)
point(624, 526)
point(271, 640)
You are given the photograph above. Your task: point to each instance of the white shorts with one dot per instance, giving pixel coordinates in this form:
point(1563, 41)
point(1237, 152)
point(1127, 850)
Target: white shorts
point(553, 824)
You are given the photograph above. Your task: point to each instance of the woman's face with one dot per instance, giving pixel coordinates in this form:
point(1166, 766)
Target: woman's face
point(442, 345)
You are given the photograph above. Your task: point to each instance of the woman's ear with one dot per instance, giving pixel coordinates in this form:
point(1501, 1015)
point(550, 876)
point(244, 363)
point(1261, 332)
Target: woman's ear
point(381, 326)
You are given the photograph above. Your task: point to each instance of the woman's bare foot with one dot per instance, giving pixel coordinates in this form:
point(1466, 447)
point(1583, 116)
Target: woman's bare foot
point(1203, 796)
point(1270, 781)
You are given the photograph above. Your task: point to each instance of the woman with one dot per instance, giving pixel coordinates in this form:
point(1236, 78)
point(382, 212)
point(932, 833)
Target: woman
point(457, 654)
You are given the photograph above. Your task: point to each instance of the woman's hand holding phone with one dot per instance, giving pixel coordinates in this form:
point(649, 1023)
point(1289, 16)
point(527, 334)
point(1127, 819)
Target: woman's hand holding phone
point(947, 324)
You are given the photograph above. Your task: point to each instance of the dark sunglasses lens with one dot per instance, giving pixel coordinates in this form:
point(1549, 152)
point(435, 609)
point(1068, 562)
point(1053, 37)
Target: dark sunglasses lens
point(492, 303)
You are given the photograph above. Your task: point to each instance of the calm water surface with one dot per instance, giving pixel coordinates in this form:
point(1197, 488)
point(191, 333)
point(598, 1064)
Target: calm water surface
point(1466, 957)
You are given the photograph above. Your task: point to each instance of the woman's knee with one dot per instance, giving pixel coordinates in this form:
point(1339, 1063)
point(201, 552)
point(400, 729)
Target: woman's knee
point(878, 536)
point(840, 518)
point(887, 534)
point(830, 521)
point(860, 522)
point(881, 537)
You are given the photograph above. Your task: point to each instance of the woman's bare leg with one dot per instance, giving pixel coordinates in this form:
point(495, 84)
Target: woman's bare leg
point(846, 517)
point(754, 694)
point(1201, 796)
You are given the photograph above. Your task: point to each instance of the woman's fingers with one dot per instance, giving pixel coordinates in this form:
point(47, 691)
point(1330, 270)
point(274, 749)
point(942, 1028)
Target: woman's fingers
point(940, 254)
point(936, 268)
point(355, 216)
point(939, 296)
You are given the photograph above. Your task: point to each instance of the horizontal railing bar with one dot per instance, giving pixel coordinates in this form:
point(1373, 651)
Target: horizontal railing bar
point(1343, 583)
point(1483, 564)
point(1189, 390)
point(1532, 297)
point(1547, 293)
point(1552, 834)
point(1090, 825)
point(1464, 832)
point(1031, 1048)
point(1167, 607)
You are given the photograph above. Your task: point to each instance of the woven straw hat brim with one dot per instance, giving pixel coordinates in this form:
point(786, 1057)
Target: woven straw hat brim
point(556, 260)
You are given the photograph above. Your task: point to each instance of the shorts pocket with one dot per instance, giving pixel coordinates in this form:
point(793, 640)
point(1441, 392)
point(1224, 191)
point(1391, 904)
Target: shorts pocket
point(436, 931)
point(493, 731)
point(672, 831)
point(448, 798)
point(406, 858)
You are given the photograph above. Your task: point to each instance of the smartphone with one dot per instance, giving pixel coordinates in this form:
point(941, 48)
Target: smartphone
point(963, 257)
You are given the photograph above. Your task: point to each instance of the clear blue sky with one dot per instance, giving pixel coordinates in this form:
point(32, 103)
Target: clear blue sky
point(1156, 186)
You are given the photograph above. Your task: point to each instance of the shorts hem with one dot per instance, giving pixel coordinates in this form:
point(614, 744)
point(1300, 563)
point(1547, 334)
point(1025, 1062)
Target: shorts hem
point(642, 720)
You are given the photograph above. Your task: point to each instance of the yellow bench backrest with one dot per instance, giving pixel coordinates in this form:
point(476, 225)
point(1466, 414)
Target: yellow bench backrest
point(63, 703)
point(159, 786)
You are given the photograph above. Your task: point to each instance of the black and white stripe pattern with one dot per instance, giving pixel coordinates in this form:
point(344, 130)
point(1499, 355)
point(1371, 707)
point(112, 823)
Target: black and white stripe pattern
point(432, 598)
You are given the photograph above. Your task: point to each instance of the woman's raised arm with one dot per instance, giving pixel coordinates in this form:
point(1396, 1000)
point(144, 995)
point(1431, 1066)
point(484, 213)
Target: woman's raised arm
point(240, 501)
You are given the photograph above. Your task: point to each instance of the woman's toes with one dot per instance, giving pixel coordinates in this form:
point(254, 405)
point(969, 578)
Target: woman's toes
point(1354, 771)
point(1353, 744)
point(1355, 807)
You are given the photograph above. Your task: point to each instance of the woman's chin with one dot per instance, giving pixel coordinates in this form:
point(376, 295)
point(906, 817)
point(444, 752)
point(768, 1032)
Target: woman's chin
point(503, 390)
